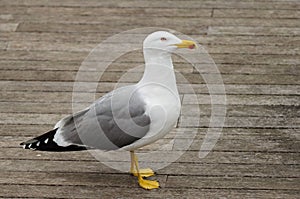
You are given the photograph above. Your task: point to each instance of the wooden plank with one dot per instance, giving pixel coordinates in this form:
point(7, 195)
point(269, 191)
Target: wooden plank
point(3, 45)
point(28, 119)
point(256, 69)
point(102, 11)
point(255, 145)
point(95, 179)
point(103, 28)
point(50, 86)
point(232, 122)
point(244, 110)
point(58, 36)
point(125, 11)
point(240, 79)
point(6, 17)
point(8, 27)
point(241, 89)
point(42, 55)
point(21, 130)
point(88, 179)
point(13, 10)
point(232, 183)
point(216, 158)
point(287, 171)
point(239, 158)
point(84, 38)
point(50, 97)
point(244, 30)
point(255, 59)
point(157, 12)
point(250, 49)
point(42, 191)
point(270, 40)
point(36, 65)
point(47, 46)
point(251, 13)
point(155, 21)
point(154, 4)
point(41, 65)
point(217, 28)
point(242, 100)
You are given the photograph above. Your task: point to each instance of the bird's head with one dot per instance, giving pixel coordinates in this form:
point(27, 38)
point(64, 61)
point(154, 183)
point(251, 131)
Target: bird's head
point(162, 40)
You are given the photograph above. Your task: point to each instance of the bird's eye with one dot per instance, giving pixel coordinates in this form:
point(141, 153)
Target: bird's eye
point(163, 39)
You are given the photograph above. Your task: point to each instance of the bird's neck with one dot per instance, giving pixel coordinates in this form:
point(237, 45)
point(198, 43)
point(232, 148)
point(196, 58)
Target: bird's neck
point(156, 56)
point(159, 69)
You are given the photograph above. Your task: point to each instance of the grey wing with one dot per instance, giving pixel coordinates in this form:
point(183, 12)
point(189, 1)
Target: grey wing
point(116, 120)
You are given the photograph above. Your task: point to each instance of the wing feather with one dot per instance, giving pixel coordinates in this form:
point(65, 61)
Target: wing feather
point(116, 120)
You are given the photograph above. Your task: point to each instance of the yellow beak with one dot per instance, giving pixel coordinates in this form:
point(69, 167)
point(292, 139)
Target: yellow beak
point(186, 44)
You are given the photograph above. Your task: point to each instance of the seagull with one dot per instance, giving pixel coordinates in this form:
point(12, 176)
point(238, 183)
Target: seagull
point(129, 117)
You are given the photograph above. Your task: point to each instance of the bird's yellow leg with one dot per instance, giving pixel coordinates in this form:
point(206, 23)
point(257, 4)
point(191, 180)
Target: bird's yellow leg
point(143, 172)
point(146, 184)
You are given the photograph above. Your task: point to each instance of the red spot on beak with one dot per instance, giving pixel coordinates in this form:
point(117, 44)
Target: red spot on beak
point(192, 46)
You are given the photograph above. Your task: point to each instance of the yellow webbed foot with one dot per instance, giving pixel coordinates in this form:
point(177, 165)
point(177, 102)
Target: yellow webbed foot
point(140, 173)
point(148, 184)
point(143, 172)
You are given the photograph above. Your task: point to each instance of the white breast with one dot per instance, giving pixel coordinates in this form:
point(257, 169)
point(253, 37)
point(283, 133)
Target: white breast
point(163, 106)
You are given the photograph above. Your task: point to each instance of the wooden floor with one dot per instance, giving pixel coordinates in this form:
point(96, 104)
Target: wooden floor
point(255, 45)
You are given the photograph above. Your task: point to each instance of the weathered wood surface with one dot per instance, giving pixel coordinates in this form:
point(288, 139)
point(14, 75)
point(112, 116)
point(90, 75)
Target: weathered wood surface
point(255, 45)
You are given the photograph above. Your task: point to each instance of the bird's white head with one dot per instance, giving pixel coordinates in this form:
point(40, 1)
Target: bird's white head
point(165, 41)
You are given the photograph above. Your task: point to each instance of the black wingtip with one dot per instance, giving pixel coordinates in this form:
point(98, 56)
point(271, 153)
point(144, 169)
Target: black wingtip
point(30, 144)
point(45, 142)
